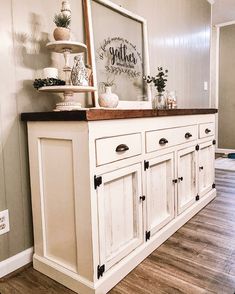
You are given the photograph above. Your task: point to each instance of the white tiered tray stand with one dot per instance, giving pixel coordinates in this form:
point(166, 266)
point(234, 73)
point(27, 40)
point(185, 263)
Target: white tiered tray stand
point(67, 48)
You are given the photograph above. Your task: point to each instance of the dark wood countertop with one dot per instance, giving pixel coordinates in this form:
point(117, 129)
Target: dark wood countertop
point(106, 114)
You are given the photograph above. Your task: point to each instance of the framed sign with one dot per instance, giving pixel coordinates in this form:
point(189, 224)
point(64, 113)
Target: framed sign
point(118, 52)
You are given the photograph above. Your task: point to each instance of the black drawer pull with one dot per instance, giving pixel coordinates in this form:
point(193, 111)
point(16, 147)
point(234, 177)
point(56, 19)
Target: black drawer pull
point(201, 167)
point(163, 141)
point(188, 135)
point(207, 131)
point(180, 179)
point(122, 148)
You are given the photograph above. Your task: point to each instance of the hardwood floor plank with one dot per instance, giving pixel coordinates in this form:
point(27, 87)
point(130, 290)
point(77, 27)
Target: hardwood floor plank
point(199, 258)
point(191, 272)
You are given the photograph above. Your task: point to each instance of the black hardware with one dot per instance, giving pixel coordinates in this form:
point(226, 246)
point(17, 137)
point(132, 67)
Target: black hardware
point(146, 165)
point(142, 198)
point(214, 142)
point(180, 179)
point(97, 181)
point(100, 270)
point(197, 198)
point(213, 186)
point(201, 167)
point(175, 181)
point(207, 131)
point(147, 236)
point(163, 141)
point(188, 135)
point(122, 148)
point(197, 147)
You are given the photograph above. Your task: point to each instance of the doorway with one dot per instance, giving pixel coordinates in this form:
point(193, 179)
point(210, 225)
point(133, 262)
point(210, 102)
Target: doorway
point(225, 83)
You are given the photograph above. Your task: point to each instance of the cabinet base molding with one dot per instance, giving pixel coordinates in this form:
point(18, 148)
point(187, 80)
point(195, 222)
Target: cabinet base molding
point(119, 271)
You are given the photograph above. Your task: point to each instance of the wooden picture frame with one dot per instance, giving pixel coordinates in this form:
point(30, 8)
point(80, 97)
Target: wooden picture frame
point(90, 41)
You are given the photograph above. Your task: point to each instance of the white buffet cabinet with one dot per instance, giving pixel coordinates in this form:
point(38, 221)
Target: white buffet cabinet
point(106, 193)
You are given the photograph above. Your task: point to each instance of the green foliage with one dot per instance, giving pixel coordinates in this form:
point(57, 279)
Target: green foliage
point(109, 82)
point(62, 21)
point(159, 80)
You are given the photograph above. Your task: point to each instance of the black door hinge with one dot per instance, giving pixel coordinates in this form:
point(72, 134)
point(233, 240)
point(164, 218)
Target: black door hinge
point(214, 142)
point(97, 181)
point(197, 198)
point(100, 270)
point(142, 198)
point(146, 165)
point(213, 186)
point(197, 147)
point(147, 236)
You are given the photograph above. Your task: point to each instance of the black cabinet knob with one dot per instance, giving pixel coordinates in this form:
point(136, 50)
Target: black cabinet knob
point(188, 135)
point(180, 179)
point(201, 167)
point(122, 148)
point(207, 131)
point(163, 141)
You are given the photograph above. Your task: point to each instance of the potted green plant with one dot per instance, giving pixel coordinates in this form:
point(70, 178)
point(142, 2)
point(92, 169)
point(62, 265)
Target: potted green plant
point(62, 30)
point(159, 82)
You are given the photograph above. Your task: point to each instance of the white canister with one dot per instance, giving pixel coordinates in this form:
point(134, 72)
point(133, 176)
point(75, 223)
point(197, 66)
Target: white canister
point(50, 72)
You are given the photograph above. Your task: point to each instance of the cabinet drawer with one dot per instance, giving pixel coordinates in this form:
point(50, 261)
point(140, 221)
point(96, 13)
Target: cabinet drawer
point(206, 130)
point(116, 148)
point(157, 140)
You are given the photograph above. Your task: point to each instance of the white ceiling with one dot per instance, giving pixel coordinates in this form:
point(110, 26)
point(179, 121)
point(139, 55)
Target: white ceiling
point(223, 11)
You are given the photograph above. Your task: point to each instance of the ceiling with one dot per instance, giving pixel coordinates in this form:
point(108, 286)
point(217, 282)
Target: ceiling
point(223, 11)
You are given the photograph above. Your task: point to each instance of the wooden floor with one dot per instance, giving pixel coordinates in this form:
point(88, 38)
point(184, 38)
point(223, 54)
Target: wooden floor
point(198, 258)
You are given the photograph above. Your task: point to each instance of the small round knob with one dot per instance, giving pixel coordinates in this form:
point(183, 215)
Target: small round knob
point(163, 141)
point(180, 179)
point(207, 131)
point(201, 167)
point(188, 135)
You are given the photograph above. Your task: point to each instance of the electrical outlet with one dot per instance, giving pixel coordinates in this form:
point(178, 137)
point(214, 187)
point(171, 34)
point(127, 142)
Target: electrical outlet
point(4, 222)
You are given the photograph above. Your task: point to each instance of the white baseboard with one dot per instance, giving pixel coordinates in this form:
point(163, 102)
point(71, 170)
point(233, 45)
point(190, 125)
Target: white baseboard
point(226, 151)
point(15, 262)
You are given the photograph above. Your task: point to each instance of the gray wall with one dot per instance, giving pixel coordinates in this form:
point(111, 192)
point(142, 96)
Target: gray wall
point(178, 38)
point(226, 121)
point(25, 28)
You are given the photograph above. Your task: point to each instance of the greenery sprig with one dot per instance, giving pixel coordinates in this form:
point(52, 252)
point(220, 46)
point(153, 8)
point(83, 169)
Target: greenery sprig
point(159, 80)
point(38, 83)
point(62, 20)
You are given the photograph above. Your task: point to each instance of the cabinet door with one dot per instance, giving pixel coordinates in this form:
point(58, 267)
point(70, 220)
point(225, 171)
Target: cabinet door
point(160, 192)
point(206, 167)
point(119, 214)
point(187, 178)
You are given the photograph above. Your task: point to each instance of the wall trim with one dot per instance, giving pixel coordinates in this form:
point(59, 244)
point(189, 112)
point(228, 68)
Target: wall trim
point(223, 150)
point(224, 24)
point(15, 262)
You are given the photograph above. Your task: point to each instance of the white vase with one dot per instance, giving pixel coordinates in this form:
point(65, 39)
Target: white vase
point(108, 99)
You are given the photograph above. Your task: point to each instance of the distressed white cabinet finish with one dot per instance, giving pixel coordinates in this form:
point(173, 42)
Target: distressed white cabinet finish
point(119, 214)
point(160, 192)
point(106, 193)
point(187, 176)
point(206, 167)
